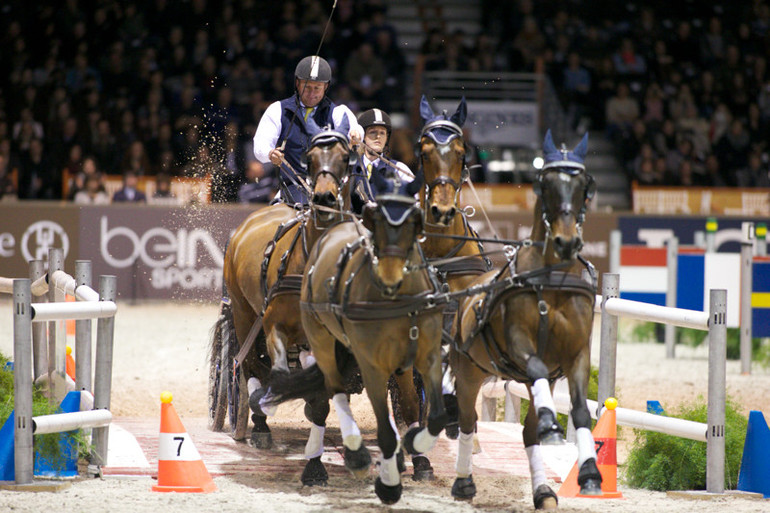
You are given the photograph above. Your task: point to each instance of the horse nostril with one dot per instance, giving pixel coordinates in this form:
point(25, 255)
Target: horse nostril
point(451, 213)
point(435, 212)
point(325, 199)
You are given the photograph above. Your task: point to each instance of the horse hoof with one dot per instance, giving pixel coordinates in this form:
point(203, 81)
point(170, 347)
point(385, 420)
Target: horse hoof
point(549, 432)
point(591, 487)
point(400, 463)
point(358, 462)
point(545, 498)
point(552, 438)
point(422, 469)
point(464, 489)
point(589, 478)
point(315, 473)
point(452, 431)
point(260, 440)
point(387, 494)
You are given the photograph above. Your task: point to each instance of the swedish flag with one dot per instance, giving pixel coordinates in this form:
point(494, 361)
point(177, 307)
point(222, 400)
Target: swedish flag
point(760, 298)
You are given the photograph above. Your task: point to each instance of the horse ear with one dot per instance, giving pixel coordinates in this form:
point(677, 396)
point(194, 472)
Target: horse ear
point(581, 149)
point(458, 118)
point(312, 127)
point(548, 145)
point(590, 188)
point(344, 127)
point(367, 216)
point(426, 113)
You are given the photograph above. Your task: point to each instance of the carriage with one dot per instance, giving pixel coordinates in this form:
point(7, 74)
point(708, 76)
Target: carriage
point(379, 295)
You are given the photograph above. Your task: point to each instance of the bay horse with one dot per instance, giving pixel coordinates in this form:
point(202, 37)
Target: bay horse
point(263, 267)
point(449, 238)
point(531, 322)
point(371, 292)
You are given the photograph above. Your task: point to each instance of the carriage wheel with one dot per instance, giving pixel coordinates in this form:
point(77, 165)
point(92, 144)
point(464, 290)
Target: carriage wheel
point(238, 402)
point(219, 369)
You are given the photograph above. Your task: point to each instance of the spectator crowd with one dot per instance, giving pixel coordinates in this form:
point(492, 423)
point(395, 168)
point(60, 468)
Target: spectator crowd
point(167, 88)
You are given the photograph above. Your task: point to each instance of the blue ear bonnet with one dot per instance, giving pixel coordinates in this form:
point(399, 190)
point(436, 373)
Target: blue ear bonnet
point(570, 161)
point(442, 128)
point(396, 208)
point(327, 135)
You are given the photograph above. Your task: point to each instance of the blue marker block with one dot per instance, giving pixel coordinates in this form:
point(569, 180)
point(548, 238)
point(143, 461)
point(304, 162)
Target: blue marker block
point(7, 463)
point(66, 464)
point(754, 475)
point(655, 407)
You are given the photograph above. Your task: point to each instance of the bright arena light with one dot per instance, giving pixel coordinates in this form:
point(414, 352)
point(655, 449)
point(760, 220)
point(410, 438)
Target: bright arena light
point(538, 162)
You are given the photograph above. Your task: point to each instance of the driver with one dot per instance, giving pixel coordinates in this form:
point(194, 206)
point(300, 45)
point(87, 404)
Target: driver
point(282, 136)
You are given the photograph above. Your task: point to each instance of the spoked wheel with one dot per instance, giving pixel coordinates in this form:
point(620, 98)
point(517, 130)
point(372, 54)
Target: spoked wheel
point(219, 370)
point(395, 399)
point(238, 402)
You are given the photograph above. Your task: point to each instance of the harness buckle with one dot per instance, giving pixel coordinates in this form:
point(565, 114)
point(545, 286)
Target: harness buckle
point(542, 307)
point(526, 243)
point(414, 332)
point(509, 251)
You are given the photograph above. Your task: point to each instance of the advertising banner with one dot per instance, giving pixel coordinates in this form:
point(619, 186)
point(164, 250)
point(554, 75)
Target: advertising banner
point(503, 123)
point(29, 229)
point(159, 252)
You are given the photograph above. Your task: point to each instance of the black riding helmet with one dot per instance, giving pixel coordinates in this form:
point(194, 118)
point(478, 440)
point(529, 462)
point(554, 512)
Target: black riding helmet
point(375, 117)
point(313, 68)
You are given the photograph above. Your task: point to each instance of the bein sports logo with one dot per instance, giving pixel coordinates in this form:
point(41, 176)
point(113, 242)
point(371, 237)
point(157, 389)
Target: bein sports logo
point(42, 236)
point(174, 258)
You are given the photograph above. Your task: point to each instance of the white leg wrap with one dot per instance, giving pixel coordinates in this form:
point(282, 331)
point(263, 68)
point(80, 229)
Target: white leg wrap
point(306, 359)
point(536, 466)
point(541, 395)
point(267, 409)
point(389, 471)
point(315, 442)
point(424, 441)
point(464, 464)
point(395, 429)
point(253, 384)
point(585, 445)
point(351, 436)
point(447, 382)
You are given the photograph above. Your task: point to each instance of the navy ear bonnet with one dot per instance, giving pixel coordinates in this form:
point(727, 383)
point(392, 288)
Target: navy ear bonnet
point(442, 128)
point(327, 135)
point(396, 208)
point(569, 161)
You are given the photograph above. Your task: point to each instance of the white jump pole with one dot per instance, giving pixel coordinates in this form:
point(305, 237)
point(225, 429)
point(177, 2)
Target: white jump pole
point(39, 334)
point(62, 422)
point(672, 264)
point(81, 310)
point(715, 443)
point(654, 313)
point(609, 339)
point(616, 241)
point(22, 382)
point(103, 373)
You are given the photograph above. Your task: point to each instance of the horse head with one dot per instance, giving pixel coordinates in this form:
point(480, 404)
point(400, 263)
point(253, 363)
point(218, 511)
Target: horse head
point(564, 189)
point(441, 152)
point(395, 222)
point(329, 158)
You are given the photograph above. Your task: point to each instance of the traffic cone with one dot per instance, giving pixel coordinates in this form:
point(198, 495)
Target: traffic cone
point(605, 438)
point(754, 475)
point(180, 467)
point(70, 323)
point(70, 363)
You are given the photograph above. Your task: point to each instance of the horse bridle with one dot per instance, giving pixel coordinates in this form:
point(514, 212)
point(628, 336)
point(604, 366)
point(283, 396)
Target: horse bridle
point(325, 141)
point(565, 207)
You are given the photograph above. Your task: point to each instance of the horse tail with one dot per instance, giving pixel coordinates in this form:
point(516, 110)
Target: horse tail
point(309, 382)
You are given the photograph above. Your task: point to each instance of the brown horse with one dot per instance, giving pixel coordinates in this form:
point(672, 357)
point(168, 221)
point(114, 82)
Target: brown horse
point(531, 323)
point(372, 292)
point(263, 270)
point(441, 152)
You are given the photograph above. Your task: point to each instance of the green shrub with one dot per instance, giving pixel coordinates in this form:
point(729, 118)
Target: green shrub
point(664, 462)
point(46, 446)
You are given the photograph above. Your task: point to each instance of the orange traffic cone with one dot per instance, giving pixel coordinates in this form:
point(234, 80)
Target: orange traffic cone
point(180, 467)
point(605, 438)
point(70, 364)
point(70, 323)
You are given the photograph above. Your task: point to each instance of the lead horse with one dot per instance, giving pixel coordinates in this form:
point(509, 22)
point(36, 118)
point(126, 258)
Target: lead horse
point(531, 322)
point(371, 292)
point(450, 242)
